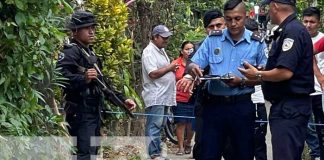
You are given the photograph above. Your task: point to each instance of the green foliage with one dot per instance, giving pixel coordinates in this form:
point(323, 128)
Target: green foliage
point(112, 44)
point(29, 34)
point(183, 17)
point(187, 22)
point(302, 4)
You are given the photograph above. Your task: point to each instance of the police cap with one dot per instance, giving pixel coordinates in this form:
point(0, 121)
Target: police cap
point(210, 15)
point(81, 19)
point(289, 2)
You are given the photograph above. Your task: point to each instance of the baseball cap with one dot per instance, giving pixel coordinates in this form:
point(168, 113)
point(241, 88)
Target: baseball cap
point(161, 30)
point(289, 2)
point(81, 19)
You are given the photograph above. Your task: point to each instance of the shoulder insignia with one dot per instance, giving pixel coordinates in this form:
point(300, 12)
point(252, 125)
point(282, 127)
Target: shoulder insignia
point(69, 45)
point(257, 37)
point(287, 44)
point(216, 33)
point(60, 56)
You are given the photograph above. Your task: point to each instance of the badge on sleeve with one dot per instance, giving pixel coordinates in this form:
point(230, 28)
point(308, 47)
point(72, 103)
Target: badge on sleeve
point(61, 56)
point(287, 44)
point(217, 51)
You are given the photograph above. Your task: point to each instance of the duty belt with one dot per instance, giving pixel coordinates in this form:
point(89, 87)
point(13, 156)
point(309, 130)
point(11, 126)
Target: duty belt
point(228, 99)
point(289, 96)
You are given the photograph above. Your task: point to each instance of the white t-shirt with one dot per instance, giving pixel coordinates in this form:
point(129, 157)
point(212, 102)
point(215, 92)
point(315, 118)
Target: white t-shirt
point(160, 91)
point(320, 64)
point(257, 96)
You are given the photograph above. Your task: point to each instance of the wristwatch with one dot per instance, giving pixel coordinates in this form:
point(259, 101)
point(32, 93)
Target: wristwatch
point(189, 77)
point(258, 75)
point(243, 82)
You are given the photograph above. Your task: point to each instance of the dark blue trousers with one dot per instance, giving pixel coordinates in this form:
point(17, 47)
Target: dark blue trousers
point(319, 118)
point(288, 124)
point(85, 126)
point(260, 133)
point(223, 120)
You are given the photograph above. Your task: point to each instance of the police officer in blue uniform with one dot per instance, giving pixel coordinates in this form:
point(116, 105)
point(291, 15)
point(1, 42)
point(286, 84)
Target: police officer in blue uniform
point(84, 100)
point(228, 110)
point(288, 80)
point(213, 20)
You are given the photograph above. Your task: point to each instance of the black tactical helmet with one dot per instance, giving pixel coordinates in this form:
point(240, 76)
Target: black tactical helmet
point(81, 19)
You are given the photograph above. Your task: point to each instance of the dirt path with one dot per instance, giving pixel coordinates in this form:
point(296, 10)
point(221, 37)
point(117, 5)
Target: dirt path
point(123, 148)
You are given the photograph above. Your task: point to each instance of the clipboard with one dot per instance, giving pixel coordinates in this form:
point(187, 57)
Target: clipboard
point(217, 77)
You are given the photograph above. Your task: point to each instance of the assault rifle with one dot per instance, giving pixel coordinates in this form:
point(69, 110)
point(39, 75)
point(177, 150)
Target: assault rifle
point(104, 86)
point(112, 97)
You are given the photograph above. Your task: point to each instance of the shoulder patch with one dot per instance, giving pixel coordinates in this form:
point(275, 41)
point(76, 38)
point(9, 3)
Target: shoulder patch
point(216, 33)
point(61, 56)
point(287, 44)
point(257, 37)
point(69, 45)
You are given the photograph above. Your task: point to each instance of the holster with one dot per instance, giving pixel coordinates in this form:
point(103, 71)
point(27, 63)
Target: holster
point(200, 99)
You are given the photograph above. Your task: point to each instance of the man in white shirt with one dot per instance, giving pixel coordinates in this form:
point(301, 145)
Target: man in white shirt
point(159, 91)
point(311, 20)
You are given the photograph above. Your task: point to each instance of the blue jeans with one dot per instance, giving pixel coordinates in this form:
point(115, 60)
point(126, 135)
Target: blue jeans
point(153, 128)
point(319, 118)
point(312, 140)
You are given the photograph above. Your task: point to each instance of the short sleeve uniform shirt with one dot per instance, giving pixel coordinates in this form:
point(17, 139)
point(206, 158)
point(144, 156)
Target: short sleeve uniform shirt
point(292, 49)
point(224, 56)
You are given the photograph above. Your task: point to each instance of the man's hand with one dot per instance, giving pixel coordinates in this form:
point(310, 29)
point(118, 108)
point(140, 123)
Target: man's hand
point(184, 85)
point(195, 70)
point(318, 73)
point(174, 66)
point(320, 80)
point(236, 81)
point(130, 104)
point(90, 74)
point(249, 71)
point(187, 84)
point(164, 70)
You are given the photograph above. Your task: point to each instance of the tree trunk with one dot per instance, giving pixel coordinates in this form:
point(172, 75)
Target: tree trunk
point(145, 24)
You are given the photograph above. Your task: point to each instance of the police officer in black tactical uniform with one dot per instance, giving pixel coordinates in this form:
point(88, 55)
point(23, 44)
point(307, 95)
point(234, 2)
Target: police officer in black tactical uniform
point(260, 146)
point(288, 80)
point(84, 98)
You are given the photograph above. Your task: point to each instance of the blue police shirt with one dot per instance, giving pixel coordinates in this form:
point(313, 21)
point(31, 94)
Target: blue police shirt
point(223, 56)
point(292, 48)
